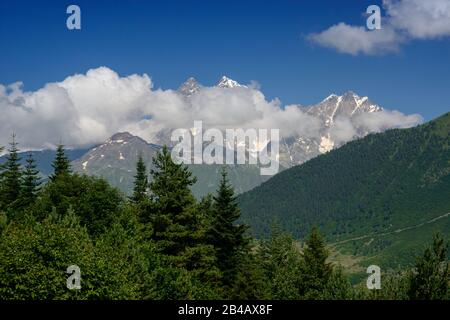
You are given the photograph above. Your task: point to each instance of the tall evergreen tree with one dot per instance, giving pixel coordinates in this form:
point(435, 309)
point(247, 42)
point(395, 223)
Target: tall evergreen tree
point(177, 225)
point(11, 175)
point(30, 181)
point(315, 269)
point(430, 279)
point(61, 164)
point(140, 182)
point(171, 183)
point(226, 236)
point(173, 219)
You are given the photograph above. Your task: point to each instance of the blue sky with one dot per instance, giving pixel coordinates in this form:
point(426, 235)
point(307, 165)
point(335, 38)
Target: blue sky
point(249, 40)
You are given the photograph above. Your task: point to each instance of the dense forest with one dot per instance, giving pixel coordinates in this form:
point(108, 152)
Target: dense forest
point(380, 183)
point(162, 243)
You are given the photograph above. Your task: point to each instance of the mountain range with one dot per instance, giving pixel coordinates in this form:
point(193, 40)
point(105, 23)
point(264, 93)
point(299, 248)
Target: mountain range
point(115, 158)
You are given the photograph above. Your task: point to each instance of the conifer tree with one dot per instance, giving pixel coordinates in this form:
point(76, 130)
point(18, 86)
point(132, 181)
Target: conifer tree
point(177, 225)
point(316, 271)
point(174, 219)
point(226, 236)
point(140, 182)
point(430, 279)
point(30, 181)
point(171, 183)
point(61, 164)
point(11, 175)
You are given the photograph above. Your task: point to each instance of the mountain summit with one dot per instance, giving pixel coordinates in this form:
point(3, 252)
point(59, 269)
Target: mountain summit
point(347, 105)
point(331, 112)
point(189, 87)
point(226, 82)
point(192, 86)
point(122, 137)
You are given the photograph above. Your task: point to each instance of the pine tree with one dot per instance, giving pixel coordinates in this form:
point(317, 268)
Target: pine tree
point(11, 175)
point(227, 237)
point(61, 164)
point(174, 218)
point(30, 181)
point(140, 182)
point(431, 277)
point(171, 183)
point(177, 225)
point(316, 271)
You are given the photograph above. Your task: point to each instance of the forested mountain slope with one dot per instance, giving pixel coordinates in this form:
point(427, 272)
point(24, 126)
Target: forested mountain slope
point(380, 183)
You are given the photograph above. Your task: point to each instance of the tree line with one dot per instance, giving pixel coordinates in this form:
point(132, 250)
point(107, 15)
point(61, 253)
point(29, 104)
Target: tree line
point(162, 243)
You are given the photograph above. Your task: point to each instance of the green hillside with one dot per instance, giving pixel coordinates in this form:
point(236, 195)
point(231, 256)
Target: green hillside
point(378, 184)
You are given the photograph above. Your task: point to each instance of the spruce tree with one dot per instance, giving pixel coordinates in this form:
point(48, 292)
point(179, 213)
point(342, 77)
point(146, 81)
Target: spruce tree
point(30, 181)
point(61, 164)
point(140, 182)
point(315, 269)
point(177, 227)
point(430, 279)
point(11, 175)
point(226, 236)
point(174, 219)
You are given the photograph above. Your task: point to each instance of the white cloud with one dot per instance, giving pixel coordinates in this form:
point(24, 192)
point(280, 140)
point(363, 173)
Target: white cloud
point(346, 129)
point(81, 110)
point(386, 119)
point(354, 40)
point(86, 109)
point(404, 20)
point(420, 19)
point(343, 130)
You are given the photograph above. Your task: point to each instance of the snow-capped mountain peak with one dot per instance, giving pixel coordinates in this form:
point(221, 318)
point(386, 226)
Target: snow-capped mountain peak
point(346, 105)
point(330, 112)
point(226, 82)
point(331, 96)
point(189, 87)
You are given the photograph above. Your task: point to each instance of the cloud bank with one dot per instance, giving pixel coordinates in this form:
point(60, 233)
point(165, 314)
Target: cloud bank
point(404, 20)
point(86, 109)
